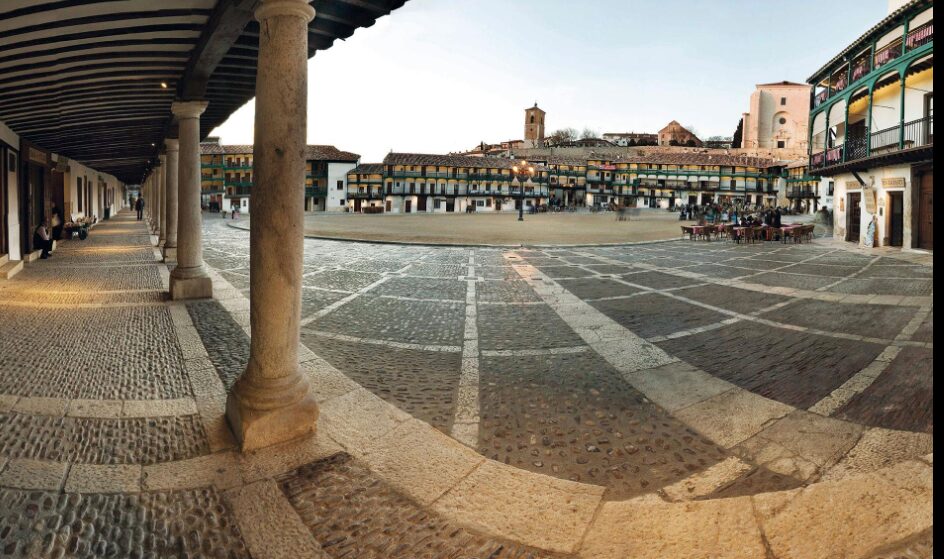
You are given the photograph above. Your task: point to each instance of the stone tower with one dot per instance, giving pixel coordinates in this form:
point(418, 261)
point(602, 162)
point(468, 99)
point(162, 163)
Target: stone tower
point(533, 125)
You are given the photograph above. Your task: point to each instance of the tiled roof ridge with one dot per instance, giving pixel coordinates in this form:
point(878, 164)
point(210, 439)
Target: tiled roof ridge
point(312, 151)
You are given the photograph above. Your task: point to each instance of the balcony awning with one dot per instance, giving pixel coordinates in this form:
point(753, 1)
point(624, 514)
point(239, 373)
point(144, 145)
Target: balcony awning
point(94, 80)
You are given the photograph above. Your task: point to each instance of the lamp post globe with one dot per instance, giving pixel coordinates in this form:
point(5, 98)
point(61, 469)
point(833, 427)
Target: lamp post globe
point(522, 172)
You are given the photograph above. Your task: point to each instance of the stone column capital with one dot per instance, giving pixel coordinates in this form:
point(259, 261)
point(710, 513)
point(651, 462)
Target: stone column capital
point(273, 8)
point(188, 109)
point(172, 144)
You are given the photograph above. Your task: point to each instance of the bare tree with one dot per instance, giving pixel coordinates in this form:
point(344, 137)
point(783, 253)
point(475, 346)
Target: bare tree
point(588, 133)
point(562, 135)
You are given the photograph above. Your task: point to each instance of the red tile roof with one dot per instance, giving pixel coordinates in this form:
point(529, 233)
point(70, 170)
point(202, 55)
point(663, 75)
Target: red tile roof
point(449, 160)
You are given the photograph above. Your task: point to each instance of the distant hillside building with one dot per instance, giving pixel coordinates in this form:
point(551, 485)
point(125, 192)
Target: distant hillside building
point(674, 134)
point(778, 117)
point(631, 138)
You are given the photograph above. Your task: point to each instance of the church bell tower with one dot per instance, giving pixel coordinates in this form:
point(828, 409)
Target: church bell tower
point(534, 125)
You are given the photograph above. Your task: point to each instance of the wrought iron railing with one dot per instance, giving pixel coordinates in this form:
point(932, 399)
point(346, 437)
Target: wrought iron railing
point(919, 132)
point(857, 147)
point(885, 139)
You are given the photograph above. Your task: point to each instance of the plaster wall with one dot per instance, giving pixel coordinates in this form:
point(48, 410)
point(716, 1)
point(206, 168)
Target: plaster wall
point(337, 198)
point(846, 183)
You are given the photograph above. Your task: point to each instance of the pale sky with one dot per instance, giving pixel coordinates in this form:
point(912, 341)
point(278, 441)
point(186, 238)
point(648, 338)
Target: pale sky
point(442, 75)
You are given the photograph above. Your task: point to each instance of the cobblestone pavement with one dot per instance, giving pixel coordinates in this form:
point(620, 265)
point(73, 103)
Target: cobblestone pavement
point(194, 523)
point(773, 319)
point(672, 378)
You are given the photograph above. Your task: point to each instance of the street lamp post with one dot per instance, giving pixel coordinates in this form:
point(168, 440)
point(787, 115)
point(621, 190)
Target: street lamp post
point(522, 172)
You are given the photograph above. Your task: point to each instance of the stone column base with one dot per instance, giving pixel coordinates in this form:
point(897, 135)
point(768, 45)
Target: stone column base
point(256, 429)
point(200, 287)
point(169, 254)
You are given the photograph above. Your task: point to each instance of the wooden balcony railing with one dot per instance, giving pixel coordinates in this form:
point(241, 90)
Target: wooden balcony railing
point(887, 54)
point(921, 35)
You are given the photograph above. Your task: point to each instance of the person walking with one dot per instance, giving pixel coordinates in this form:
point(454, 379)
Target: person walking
point(58, 221)
point(139, 207)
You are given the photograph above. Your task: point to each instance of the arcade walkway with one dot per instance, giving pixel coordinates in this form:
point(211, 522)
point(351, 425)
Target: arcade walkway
point(115, 443)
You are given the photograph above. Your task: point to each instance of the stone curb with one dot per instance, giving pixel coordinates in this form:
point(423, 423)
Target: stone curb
point(96, 409)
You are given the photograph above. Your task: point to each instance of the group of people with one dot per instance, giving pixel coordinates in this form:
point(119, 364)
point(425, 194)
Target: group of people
point(43, 238)
point(744, 215)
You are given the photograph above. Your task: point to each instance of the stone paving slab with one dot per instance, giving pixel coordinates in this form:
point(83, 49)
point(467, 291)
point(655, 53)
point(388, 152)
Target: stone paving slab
point(792, 367)
point(901, 398)
point(421, 383)
point(354, 514)
point(655, 315)
point(573, 417)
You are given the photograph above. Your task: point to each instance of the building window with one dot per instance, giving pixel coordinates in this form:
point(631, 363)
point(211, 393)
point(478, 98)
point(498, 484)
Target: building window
point(831, 185)
point(78, 188)
point(781, 144)
point(783, 120)
point(783, 100)
point(341, 203)
point(340, 185)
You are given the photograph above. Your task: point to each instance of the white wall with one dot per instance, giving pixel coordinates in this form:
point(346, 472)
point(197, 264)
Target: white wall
point(875, 177)
point(13, 206)
point(336, 200)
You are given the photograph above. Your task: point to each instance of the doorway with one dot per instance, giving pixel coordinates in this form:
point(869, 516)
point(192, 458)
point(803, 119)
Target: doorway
point(896, 218)
point(421, 204)
point(853, 216)
point(926, 211)
point(31, 213)
point(407, 206)
point(357, 205)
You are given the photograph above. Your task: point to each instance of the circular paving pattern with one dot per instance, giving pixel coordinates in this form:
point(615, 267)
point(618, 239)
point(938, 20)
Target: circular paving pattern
point(591, 402)
point(544, 359)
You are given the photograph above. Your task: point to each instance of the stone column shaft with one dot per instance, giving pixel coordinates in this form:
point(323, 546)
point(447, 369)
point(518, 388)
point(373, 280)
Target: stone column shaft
point(189, 279)
point(162, 203)
point(271, 402)
point(171, 170)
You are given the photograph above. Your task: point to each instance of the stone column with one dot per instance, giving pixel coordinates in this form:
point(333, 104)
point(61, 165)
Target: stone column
point(271, 402)
point(170, 170)
point(162, 199)
point(189, 279)
point(155, 205)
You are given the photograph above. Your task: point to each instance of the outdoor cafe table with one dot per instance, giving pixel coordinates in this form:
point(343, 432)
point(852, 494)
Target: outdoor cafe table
point(694, 231)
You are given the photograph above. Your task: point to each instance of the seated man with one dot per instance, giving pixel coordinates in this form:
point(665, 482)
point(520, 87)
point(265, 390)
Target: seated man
point(42, 240)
